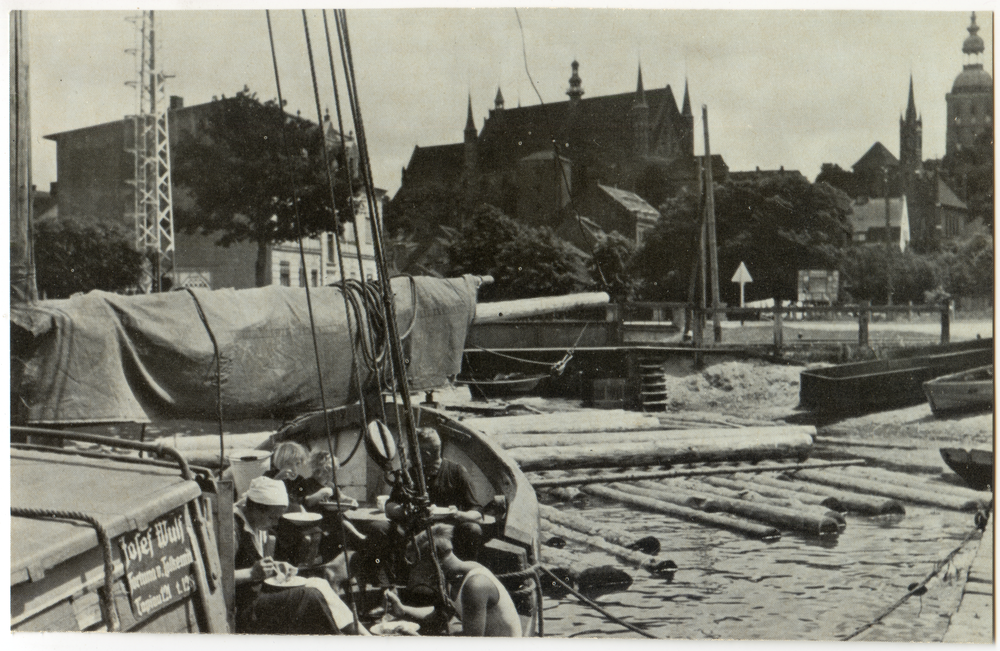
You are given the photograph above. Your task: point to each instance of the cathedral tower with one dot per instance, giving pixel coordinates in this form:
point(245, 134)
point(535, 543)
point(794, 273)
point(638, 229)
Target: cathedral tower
point(911, 137)
point(640, 119)
point(970, 102)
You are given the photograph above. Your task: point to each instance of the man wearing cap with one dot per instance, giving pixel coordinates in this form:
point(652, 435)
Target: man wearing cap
point(312, 608)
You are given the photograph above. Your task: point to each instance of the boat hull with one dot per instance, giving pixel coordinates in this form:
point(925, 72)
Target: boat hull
point(862, 387)
point(961, 392)
point(973, 466)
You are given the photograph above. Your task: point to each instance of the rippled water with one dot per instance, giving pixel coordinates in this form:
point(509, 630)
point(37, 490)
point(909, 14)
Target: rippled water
point(797, 588)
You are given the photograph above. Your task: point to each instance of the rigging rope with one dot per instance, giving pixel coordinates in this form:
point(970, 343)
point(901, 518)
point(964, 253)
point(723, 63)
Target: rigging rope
point(596, 607)
point(937, 568)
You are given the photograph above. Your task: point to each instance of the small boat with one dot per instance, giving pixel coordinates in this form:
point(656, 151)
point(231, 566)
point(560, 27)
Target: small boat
point(861, 387)
point(974, 466)
point(502, 385)
point(960, 392)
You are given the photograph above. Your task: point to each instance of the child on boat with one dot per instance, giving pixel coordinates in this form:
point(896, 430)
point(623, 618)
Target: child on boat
point(481, 602)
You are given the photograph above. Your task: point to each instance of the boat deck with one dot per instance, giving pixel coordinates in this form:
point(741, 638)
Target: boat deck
point(973, 622)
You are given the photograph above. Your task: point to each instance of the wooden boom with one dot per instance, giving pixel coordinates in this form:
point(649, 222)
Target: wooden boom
point(525, 307)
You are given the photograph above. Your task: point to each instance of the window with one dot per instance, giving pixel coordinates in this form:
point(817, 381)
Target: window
point(285, 274)
point(315, 277)
point(302, 277)
point(330, 252)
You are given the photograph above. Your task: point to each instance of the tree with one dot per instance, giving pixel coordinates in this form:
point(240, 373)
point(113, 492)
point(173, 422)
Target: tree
point(73, 257)
point(776, 225)
point(833, 174)
point(525, 262)
point(611, 260)
point(863, 274)
point(419, 209)
point(967, 266)
point(242, 169)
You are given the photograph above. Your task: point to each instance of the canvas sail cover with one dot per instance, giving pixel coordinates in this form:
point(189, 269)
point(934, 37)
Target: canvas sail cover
point(101, 357)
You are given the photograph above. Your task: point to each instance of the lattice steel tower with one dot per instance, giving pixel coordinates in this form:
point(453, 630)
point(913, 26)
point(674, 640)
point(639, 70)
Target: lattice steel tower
point(148, 139)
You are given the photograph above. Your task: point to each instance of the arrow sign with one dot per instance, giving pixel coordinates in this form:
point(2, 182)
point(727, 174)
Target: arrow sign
point(742, 276)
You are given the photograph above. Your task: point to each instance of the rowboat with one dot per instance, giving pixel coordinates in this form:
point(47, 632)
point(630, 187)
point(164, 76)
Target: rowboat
point(502, 385)
point(960, 392)
point(974, 466)
point(861, 387)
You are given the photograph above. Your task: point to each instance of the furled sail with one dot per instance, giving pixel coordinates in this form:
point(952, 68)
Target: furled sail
point(101, 357)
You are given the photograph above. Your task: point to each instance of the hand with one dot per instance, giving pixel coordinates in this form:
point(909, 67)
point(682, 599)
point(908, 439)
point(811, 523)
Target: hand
point(393, 604)
point(286, 474)
point(265, 568)
point(286, 569)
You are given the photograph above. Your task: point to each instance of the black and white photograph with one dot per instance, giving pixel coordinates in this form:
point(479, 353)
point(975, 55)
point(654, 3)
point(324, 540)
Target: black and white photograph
point(579, 322)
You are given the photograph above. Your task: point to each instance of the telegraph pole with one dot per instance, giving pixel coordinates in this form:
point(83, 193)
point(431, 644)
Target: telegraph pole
point(888, 239)
point(713, 252)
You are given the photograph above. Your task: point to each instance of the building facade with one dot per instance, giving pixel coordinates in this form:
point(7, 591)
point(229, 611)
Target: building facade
point(94, 167)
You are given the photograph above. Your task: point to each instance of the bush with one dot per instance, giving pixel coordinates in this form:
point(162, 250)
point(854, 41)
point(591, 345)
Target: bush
point(72, 257)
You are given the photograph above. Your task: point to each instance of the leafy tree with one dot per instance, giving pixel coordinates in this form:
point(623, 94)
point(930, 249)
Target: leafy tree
point(239, 170)
point(844, 180)
point(863, 274)
point(611, 259)
point(776, 225)
point(72, 257)
point(525, 262)
point(967, 266)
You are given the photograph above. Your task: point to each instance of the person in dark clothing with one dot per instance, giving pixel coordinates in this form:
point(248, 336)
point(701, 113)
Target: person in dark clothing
point(309, 609)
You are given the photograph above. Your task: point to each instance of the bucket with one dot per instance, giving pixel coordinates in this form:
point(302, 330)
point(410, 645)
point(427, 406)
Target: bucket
point(246, 465)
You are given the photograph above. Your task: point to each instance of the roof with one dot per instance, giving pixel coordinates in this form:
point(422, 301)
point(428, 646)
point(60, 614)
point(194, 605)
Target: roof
point(946, 197)
point(633, 203)
point(973, 79)
point(441, 162)
point(762, 174)
point(877, 156)
point(590, 124)
point(870, 213)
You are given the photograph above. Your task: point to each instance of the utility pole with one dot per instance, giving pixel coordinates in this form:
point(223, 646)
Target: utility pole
point(148, 135)
point(888, 239)
point(713, 252)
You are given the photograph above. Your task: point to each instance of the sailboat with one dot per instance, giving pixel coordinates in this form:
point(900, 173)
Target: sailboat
point(95, 512)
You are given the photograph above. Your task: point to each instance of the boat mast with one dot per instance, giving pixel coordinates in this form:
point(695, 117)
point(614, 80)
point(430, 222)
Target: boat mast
point(23, 287)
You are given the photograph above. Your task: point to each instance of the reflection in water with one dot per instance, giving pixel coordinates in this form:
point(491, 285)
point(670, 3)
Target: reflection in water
point(798, 588)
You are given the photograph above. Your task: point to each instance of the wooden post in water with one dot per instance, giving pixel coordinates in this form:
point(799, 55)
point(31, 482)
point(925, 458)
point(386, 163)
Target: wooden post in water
point(713, 252)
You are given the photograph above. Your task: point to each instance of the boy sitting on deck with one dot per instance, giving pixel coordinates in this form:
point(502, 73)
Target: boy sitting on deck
point(481, 602)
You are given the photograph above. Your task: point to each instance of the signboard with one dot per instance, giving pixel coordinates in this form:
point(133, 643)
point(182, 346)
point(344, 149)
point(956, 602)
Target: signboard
point(818, 286)
point(159, 564)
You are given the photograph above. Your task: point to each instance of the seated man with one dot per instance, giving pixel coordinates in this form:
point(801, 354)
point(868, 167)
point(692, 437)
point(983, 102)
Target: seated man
point(309, 609)
point(448, 484)
point(481, 602)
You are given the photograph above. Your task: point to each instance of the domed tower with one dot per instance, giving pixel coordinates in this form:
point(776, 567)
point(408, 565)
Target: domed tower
point(911, 136)
point(640, 119)
point(970, 102)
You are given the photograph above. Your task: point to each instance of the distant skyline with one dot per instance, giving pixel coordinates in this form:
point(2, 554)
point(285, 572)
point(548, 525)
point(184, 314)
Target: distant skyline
point(783, 88)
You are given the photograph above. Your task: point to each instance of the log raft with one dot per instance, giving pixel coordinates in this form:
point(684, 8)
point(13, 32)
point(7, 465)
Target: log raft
point(903, 479)
point(852, 502)
point(904, 493)
point(633, 558)
point(662, 436)
point(614, 536)
point(719, 520)
point(767, 490)
point(762, 443)
point(580, 573)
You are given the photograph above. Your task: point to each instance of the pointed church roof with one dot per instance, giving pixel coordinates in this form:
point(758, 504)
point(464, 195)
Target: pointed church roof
point(498, 101)
point(946, 197)
point(687, 100)
point(876, 157)
point(470, 124)
point(640, 93)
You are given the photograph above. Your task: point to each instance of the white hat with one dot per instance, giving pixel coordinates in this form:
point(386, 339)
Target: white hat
point(267, 491)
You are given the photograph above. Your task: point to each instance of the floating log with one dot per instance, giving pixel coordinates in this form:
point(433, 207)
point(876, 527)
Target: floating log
point(580, 573)
point(777, 445)
point(658, 435)
point(746, 495)
point(853, 502)
point(805, 522)
point(525, 307)
point(564, 479)
point(593, 420)
point(766, 490)
point(905, 493)
point(722, 521)
point(634, 558)
point(903, 479)
point(585, 526)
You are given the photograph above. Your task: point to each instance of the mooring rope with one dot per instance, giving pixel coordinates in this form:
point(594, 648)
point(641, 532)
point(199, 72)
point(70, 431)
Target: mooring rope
point(588, 602)
point(107, 599)
point(937, 568)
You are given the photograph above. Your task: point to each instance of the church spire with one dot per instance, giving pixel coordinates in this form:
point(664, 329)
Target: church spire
point(911, 106)
point(640, 92)
point(686, 110)
point(640, 118)
point(974, 43)
point(498, 102)
point(470, 124)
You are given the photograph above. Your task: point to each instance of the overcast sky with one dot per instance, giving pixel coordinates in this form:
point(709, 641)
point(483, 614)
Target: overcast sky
point(783, 88)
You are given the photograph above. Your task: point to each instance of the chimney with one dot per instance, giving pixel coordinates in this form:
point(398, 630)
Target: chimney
point(176, 102)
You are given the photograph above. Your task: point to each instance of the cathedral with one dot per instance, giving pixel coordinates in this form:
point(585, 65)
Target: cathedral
point(532, 161)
